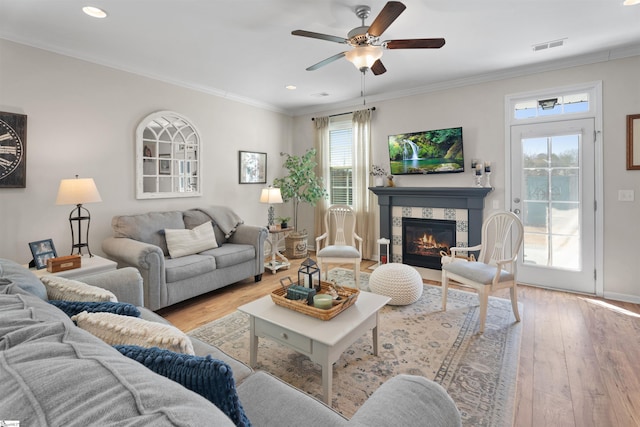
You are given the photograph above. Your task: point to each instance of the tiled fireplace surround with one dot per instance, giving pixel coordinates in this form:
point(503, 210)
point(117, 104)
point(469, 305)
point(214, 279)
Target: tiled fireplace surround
point(462, 204)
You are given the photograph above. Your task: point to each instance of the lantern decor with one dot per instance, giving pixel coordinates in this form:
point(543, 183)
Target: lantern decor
point(309, 275)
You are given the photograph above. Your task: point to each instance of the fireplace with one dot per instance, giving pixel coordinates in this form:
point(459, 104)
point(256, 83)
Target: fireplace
point(424, 239)
point(462, 204)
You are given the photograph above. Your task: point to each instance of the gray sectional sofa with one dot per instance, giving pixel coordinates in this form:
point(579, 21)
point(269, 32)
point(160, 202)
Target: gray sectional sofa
point(53, 373)
point(139, 241)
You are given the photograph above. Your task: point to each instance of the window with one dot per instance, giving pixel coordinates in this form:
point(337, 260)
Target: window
point(560, 104)
point(341, 161)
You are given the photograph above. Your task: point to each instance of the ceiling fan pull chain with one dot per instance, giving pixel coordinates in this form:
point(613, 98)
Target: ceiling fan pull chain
point(362, 88)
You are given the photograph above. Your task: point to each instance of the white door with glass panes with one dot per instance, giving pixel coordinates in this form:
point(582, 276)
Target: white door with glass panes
point(553, 193)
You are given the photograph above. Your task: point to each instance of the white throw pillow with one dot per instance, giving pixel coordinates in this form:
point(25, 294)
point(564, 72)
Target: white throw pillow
point(115, 329)
point(188, 242)
point(60, 288)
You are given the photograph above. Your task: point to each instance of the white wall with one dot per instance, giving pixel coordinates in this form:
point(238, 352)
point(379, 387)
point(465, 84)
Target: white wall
point(479, 109)
point(82, 119)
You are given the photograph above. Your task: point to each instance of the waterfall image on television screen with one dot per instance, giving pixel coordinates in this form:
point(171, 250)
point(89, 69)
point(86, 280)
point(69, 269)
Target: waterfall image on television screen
point(432, 151)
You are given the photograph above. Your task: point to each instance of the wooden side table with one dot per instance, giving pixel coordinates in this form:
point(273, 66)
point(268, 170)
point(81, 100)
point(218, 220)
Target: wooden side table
point(278, 260)
point(89, 265)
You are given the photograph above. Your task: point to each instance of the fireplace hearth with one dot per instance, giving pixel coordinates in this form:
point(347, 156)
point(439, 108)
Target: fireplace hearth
point(424, 239)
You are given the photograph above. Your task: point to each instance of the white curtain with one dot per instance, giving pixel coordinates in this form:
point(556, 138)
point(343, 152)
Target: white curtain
point(322, 158)
point(363, 201)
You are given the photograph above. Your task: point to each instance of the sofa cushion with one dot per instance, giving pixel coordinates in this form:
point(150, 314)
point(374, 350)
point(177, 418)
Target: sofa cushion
point(114, 329)
point(184, 242)
point(71, 308)
point(148, 228)
point(61, 288)
point(195, 217)
point(15, 273)
point(189, 266)
point(210, 378)
point(231, 254)
point(200, 348)
point(53, 373)
point(264, 397)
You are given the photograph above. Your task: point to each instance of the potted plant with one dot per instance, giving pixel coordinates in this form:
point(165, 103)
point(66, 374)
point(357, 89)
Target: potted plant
point(378, 173)
point(284, 220)
point(300, 185)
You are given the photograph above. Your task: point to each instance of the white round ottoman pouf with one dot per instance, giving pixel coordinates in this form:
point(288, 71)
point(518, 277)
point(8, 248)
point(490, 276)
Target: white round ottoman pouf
point(399, 281)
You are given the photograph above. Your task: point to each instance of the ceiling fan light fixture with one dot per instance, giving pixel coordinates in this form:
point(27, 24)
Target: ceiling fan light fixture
point(94, 12)
point(363, 57)
point(631, 2)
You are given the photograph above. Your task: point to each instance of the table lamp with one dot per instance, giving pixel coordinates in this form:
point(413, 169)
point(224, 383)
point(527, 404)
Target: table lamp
point(78, 192)
point(271, 195)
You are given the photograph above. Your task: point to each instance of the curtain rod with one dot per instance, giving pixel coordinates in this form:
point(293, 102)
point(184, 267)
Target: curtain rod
point(348, 112)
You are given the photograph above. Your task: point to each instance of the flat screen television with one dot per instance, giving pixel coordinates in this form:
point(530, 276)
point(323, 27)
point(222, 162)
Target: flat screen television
point(431, 151)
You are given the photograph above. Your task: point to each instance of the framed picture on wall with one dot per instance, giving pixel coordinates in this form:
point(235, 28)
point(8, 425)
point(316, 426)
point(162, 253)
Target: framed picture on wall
point(633, 142)
point(252, 167)
point(13, 150)
point(42, 250)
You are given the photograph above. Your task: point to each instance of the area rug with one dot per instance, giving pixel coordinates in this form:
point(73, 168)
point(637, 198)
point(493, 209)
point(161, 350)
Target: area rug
point(478, 371)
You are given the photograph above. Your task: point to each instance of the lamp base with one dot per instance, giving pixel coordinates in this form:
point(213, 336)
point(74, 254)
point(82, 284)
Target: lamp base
point(271, 215)
point(81, 214)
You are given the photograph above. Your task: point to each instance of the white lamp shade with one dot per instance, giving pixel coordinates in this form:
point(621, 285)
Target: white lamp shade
point(364, 56)
point(271, 195)
point(77, 191)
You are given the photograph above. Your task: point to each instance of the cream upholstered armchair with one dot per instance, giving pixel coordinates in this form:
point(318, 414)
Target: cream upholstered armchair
point(501, 239)
point(339, 240)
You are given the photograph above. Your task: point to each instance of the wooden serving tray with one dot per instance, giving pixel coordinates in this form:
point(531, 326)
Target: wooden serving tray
point(348, 297)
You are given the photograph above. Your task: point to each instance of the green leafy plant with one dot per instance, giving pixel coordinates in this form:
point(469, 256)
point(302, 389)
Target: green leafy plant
point(301, 184)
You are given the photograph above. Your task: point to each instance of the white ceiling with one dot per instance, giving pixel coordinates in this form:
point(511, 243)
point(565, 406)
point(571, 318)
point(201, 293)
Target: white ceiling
point(243, 49)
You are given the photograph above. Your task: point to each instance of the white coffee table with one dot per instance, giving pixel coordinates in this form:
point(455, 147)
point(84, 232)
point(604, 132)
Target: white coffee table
point(323, 341)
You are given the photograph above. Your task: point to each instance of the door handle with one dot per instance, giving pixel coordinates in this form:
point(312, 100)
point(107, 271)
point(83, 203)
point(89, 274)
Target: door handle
point(516, 211)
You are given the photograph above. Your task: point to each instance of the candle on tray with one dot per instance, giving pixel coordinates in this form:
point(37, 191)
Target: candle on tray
point(324, 301)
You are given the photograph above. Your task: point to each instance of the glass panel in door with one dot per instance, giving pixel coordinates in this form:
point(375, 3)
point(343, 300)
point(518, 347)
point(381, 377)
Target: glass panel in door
point(553, 191)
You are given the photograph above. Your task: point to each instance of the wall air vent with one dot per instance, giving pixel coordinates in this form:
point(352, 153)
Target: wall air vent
point(548, 45)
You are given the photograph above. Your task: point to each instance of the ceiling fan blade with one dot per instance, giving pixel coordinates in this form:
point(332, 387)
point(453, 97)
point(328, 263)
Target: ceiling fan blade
point(326, 61)
point(414, 44)
point(387, 15)
point(377, 68)
point(320, 36)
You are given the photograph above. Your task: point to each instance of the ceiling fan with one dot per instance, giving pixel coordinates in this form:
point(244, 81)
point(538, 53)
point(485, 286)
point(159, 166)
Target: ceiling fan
point(365, 40)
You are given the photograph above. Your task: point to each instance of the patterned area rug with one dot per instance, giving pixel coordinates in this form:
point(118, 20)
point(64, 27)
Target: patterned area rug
point(478, 370)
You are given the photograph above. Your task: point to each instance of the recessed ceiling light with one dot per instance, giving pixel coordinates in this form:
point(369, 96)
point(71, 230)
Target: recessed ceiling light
point(291, 87)
point(94, 12)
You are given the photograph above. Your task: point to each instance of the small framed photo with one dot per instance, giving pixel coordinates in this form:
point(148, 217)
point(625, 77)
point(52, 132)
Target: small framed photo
point(42, 250)
point(252, 167)
point(165, 167)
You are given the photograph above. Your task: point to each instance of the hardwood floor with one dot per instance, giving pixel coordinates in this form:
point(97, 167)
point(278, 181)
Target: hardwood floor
point(578, 360)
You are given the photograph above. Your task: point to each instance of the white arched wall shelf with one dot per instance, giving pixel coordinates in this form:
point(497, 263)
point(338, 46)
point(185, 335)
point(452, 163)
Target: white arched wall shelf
point(167, 157)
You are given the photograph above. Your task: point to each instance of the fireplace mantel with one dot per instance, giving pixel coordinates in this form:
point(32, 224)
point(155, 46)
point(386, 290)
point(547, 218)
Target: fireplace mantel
point(470, 198)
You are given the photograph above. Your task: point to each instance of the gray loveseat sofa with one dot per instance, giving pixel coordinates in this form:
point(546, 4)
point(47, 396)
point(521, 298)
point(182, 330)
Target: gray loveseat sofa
point(54, 373)
point(139, 241)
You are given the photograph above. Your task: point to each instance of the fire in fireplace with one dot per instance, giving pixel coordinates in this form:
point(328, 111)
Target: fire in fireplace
point(423, 239)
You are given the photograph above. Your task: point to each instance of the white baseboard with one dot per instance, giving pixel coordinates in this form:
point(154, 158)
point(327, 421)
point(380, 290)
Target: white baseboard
point(622, 297)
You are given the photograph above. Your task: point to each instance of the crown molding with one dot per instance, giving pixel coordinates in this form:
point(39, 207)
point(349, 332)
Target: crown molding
point(525, 70)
